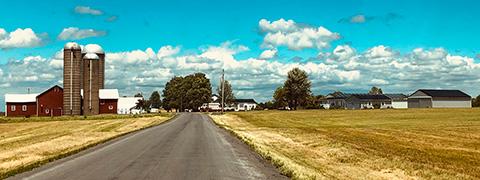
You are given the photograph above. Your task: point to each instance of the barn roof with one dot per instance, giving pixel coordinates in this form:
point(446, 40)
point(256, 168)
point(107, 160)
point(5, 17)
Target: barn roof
point(397, 96)
point(444, 93)
point(20, 98)
point(108, 94)
point(370, 96)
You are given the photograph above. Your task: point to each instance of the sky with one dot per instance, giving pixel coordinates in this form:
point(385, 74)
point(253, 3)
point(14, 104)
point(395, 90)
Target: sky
point(347, 45)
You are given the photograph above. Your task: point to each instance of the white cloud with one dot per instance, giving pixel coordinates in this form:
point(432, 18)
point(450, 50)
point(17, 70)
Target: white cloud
point(268, 54)
point(87, 10)
point(166, 51)
point(19, 38)
point(295, 37)
point(378, 82)
point(74, 33)
point(343, 52)
point(358, 19)
point(380, 51)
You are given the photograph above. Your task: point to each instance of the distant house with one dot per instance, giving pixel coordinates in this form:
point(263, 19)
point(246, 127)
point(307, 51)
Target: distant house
point(335, 100)
point(245, 104)
point(108, 101)
point(399, 101)
point(215, 98)
point(47, 103)
point(368, 101)
point(433, 98)
point(126, 105)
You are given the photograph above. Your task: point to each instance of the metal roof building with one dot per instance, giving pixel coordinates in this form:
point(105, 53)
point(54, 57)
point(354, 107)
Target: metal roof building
point(436, 98)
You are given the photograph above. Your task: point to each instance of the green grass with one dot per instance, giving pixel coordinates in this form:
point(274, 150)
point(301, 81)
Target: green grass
point(346, 144)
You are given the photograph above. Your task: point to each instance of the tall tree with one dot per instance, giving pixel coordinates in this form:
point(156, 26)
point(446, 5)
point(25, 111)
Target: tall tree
point(279, 98)
point(375, 90)
point(154, 100)
point(297, 87)
point(229, 97)
point(188, 92)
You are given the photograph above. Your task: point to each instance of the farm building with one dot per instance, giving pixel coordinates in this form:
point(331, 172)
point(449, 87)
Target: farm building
point(433, 98)
point(245, 104)
point(108, 101)
point(127, 104)
point(399, 101)
point(368, 101)
point(47, 103)
point(335, 100)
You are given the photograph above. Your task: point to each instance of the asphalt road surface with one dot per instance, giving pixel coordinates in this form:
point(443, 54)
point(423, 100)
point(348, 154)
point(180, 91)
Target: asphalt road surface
point(188, 147)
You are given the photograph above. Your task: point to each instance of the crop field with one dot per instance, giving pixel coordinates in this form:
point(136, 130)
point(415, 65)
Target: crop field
point(35, 141)
point(364, 144)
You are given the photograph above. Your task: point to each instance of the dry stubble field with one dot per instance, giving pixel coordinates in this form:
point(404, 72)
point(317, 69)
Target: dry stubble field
point(364, 144)
point(24, 145)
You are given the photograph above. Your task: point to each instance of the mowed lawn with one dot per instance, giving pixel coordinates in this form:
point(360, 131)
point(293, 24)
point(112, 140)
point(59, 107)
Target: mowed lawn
point(24, 145)
point(365, 144)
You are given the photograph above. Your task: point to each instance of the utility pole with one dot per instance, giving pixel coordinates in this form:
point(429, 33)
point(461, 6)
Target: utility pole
point(223, 90)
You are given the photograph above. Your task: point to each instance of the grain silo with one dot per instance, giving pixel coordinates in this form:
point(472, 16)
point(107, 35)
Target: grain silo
point(97, 49)
point(72, 61)
point(90, 84)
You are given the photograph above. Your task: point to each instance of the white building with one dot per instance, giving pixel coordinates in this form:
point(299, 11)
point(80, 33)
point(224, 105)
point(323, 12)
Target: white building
point(399, 101)
point(245, 104)
point(435, 98)
point(127, 104)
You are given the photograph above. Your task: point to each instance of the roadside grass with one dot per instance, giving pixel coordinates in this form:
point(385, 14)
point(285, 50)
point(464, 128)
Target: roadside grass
point(26, 145)
point(364, 144)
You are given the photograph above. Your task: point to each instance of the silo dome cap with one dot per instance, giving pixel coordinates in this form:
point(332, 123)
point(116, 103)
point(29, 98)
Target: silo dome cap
point(93, 48)
point(91, 56)
point(71, 45)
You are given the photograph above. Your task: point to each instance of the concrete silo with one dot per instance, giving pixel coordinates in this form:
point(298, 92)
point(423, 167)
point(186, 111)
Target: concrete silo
point(91, 84)
point(97, 49)
point(72, 62)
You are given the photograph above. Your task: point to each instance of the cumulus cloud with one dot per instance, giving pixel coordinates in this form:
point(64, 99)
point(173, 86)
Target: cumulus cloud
point(342, 69)
point(294, 36)
point(74, 33)
point(87, 10)
point(20, 38)
point(268, 54)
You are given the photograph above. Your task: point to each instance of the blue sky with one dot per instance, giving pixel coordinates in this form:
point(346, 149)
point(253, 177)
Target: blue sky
point(448, 28)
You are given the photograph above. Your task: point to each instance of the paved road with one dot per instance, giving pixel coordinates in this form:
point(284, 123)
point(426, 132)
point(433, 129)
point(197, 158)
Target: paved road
point(189, 147)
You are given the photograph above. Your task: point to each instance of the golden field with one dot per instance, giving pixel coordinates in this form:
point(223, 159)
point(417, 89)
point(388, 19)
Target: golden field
point(364, 144)
point(24, 145)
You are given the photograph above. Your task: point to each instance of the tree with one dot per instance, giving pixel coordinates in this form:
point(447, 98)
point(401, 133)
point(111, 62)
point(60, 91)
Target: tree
point(279, 98)
point(138, 95)
point(154, 100)
point(172, 94)
point(476, 101)
point(188, 92)
point(375, 90)
point(229, 97)
point(143, 104)
point(297, 87)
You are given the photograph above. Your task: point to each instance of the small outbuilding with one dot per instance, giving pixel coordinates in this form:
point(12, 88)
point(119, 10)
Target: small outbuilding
point(399, 101)
point(368, 101)
point(108, 101)
point(436, 98)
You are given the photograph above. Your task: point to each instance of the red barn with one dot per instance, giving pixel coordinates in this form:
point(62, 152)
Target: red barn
point(108, 101)
point(48, 103)
point(20, 104)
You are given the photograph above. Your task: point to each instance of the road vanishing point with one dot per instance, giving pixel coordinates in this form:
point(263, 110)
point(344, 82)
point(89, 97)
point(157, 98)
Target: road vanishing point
point(190, 146)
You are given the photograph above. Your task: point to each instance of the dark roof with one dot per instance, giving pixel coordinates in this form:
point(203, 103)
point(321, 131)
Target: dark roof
point(49, 90)
point(338, 95)
point(245, 101)
point(444, 93)
point(397, 96)
point(370, 96)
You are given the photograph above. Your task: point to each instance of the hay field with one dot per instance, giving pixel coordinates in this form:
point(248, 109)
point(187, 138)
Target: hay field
point(24, 145)
point(364, 144)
